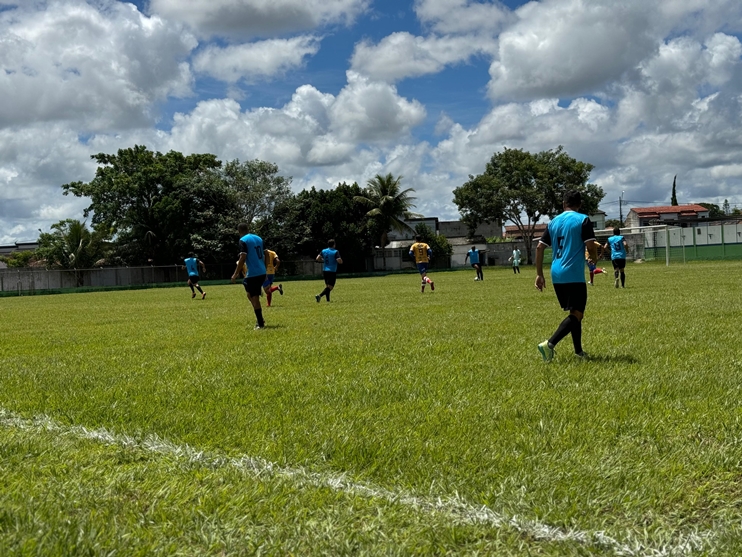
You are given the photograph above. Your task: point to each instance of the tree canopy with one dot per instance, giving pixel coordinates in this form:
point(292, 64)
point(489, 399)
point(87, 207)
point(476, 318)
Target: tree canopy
point(523, 187)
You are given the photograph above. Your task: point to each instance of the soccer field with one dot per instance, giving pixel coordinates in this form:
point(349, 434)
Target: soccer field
point(385, 422)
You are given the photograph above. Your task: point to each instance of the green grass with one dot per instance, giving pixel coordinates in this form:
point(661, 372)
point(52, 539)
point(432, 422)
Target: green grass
point(435, 395)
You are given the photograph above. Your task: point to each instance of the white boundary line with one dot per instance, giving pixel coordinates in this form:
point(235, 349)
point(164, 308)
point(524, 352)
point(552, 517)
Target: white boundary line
point(455, 508)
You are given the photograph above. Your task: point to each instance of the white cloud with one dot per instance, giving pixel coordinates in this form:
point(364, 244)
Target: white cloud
point(402, 55)
point(102, 68)
point(263, 59)
point(258, 18)
point(462, 16)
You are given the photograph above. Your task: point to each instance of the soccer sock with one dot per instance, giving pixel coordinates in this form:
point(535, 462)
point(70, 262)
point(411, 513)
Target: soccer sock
point(615, 274)
point(323, 292)
point(565, 327)
point(199, 289)
point(427, 279)
point(592, 274)
point(577, 335)
point(192, 290)
point(274, 288)
point(259, 315)
point(623, 279)
point(328, 294)
point(269, 297)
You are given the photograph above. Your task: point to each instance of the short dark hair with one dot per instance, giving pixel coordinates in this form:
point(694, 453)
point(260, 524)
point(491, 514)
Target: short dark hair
point(242, 228)
point(616, 231)
point(331, 243)
point(573, 198)
point(474, 247)
point(418, 238)
point(191, 254)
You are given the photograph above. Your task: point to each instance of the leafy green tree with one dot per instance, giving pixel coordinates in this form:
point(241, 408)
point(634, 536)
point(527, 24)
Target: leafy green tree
point(257, 187)
point(19, 259)
point(522, 188)
point(674, 198)
point(138, 195)
point(714, 210)
point(613, 223)
point(439, 244)
point(388, 205)
point(71, 245)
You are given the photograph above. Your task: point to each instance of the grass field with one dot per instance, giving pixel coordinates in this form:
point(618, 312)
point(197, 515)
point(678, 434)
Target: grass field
point(385, 422)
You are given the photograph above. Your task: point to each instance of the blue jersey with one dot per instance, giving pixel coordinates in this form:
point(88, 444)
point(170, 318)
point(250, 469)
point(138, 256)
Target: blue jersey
point(473, 256)
point(191, 266)
point(618, 251)
point(330, 258)
point(252, 246)
point(567, 234)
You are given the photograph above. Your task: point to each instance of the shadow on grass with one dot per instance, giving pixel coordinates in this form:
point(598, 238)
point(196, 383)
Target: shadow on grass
point(612, 359)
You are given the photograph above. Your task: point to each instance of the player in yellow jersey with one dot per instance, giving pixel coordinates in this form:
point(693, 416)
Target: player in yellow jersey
point(271, 265)
point(421, 253)
point(594, 269)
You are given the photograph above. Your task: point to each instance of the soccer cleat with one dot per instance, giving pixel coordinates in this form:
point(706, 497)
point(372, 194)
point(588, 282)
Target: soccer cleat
point(547, 353)
point(193, 295)
point(432, 286)
point(203, 295)
point(280, 289)
point(591, 284)
point(317, 298)
point(615, 283)
point(583, 356)
point(259, 326)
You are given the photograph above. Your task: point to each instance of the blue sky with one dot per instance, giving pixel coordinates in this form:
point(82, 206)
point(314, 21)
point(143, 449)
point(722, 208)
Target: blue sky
point(340, 90)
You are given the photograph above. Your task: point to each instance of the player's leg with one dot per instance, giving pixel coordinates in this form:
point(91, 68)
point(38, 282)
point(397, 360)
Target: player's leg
point(479, 271)
point(193, 292)
point(253, 286)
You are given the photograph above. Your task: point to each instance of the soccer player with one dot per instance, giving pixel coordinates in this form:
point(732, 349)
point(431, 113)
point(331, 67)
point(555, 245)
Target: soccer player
point(569, 233)
point(421, 253)
point(618, 256)
point(592, 266)
point(252, 253)
point(192, 265)
point(329, 257)
point(473, 256)
point(515, 258)
point(271, 266)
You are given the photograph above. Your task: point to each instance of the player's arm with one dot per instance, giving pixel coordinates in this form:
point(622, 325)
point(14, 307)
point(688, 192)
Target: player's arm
point(203, 267)
point(466, 258)
point(540, 280)
point(430, 253)
point(276, 263)
point(319, 259)
point(338, 258)
point(240, 263)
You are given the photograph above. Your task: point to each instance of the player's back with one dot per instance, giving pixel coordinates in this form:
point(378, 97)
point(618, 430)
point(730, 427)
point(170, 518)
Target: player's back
point(191, 264)
point(420, 252)
point(618, 250)
point(330, 260)
point(252, 246)
point(568, 246)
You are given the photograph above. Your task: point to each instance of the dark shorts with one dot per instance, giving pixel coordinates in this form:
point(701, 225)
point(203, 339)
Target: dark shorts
point(330, 277)
point(572, 295)
point(253, 285)
point(475, 265)
point(619, 263)
point(268, 280)
point(193, 278)
point(422, 268)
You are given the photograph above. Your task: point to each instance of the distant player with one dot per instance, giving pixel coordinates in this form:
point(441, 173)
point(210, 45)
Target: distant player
point(252, 254)
point(192, 265)
point(271, 266)
point(329, 257)
point(618, 256)
point(568, 234)
point(473, 256)
point(421, 253)
point(592, 267)
point(515, 258)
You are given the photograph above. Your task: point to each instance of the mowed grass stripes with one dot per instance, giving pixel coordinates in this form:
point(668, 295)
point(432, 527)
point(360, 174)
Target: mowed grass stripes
point(438, 394)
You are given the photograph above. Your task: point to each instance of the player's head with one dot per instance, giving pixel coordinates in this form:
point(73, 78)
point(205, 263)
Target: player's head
point(331, 243)
point(191, 254)
point(242, 228)
point(473, 248)
point(418, 238)
point(616, 231)
point(572, 199)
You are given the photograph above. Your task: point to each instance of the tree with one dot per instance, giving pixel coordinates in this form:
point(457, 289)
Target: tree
point(138, 195)
point(70, 245)
point(19, 259)
point(613, 223)
point(257, 187)
point(521, 187)
point(388, 205)
point(714, 210)
point(674, 198)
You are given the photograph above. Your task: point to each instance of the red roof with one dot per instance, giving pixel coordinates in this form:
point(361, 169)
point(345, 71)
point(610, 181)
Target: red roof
point(516, 229)
point(686, 210)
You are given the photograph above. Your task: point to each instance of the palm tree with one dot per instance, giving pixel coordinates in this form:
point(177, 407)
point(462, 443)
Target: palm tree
point(388, 206)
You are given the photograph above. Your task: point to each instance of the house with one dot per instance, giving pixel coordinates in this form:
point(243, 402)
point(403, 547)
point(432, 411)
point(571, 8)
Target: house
point(598, 219)
point(648, 216)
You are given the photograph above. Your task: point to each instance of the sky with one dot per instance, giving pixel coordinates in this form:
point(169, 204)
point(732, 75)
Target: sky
point(341, 90)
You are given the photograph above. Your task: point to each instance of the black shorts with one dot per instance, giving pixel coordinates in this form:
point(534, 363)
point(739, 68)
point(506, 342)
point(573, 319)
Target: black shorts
point(253, 285)
point(619, 263)
point(193, 279)
point(330, 277)
point(475, 265)
point(572, 295)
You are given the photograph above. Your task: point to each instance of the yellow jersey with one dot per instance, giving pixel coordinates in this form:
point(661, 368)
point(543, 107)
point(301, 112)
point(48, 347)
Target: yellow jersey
point(598, 248)
point(270, 262)
point(420, 251)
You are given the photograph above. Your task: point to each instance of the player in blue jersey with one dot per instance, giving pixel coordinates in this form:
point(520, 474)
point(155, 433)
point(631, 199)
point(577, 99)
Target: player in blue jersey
point(192, 265)
point(473, 256)
point(329, 257)
point(618, 256)
point(568, 234)
point(253, 256)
